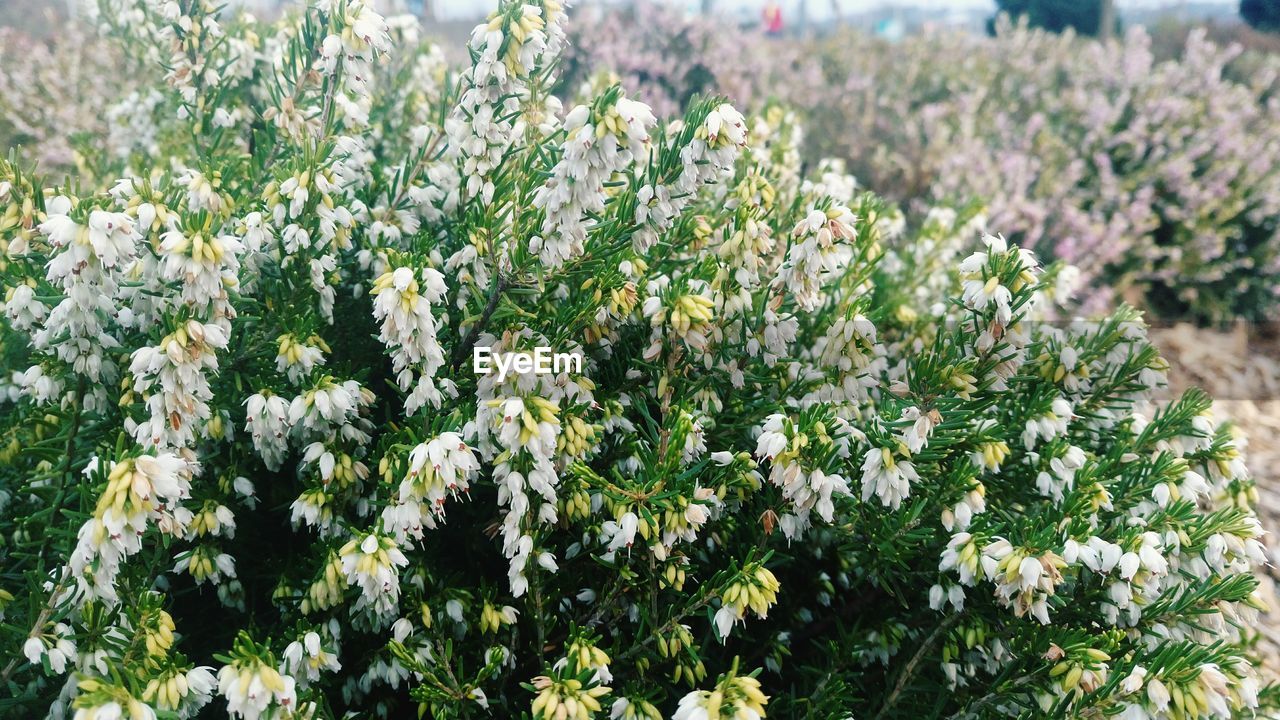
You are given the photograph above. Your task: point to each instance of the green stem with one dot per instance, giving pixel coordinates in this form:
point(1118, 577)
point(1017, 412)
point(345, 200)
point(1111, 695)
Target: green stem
point(59, 497)
point(500, 284)
point(67, 466)
point(909, 670)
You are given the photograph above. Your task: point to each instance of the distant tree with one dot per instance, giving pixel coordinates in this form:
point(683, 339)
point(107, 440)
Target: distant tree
point(1084, 16)
point(1261, 14)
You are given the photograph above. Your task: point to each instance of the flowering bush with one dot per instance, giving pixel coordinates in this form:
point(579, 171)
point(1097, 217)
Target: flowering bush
point(809, 464)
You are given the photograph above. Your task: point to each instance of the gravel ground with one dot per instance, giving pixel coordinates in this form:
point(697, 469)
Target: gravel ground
point(1241, 370)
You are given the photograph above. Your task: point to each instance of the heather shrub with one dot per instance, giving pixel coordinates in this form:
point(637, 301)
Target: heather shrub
point(270, 448)
point(1158, 179)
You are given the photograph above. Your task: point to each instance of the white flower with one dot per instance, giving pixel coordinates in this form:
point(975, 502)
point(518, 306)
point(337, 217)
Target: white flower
point(297, 358)
point(201, 193)
point(438, 469)
point(1158, 694)
point(23, 309)
point(56, 646)
point(916, 436)
point(403, 302)
point(599, 142)
point(330, 406)
point(306, 658)
point(112, 710)
point(622, 533)
point(201, 685)
point(34, 649)
point(725, 618)
point(1133, 682)
point(175, 373)
point(806, 489)
point(205, 564)
point(371, 563)
point(483, 123)
point(146, 488)
point(686, 317)
point(737, 697)
point(254, 689)
point(963, 556)
point(887, 478)
point(821, 247)
point(206, 265)
point(1049, 425)
point(266, 418)
point(1024, 581)
point(84, 265)
point(981, 289)
point(715, 146)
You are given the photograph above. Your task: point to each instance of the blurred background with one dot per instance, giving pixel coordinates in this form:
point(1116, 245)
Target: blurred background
point(888, 18)
point(1136, 139)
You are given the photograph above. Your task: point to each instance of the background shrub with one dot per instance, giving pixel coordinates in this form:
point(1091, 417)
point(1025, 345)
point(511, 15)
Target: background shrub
point(1157, 178)
point(654, 48)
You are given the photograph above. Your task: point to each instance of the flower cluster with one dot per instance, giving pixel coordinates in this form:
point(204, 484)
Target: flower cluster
point(599, 142)
point(511, 51)
point(402, 302)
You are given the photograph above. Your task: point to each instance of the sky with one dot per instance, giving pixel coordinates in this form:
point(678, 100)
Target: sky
point(453, 9)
